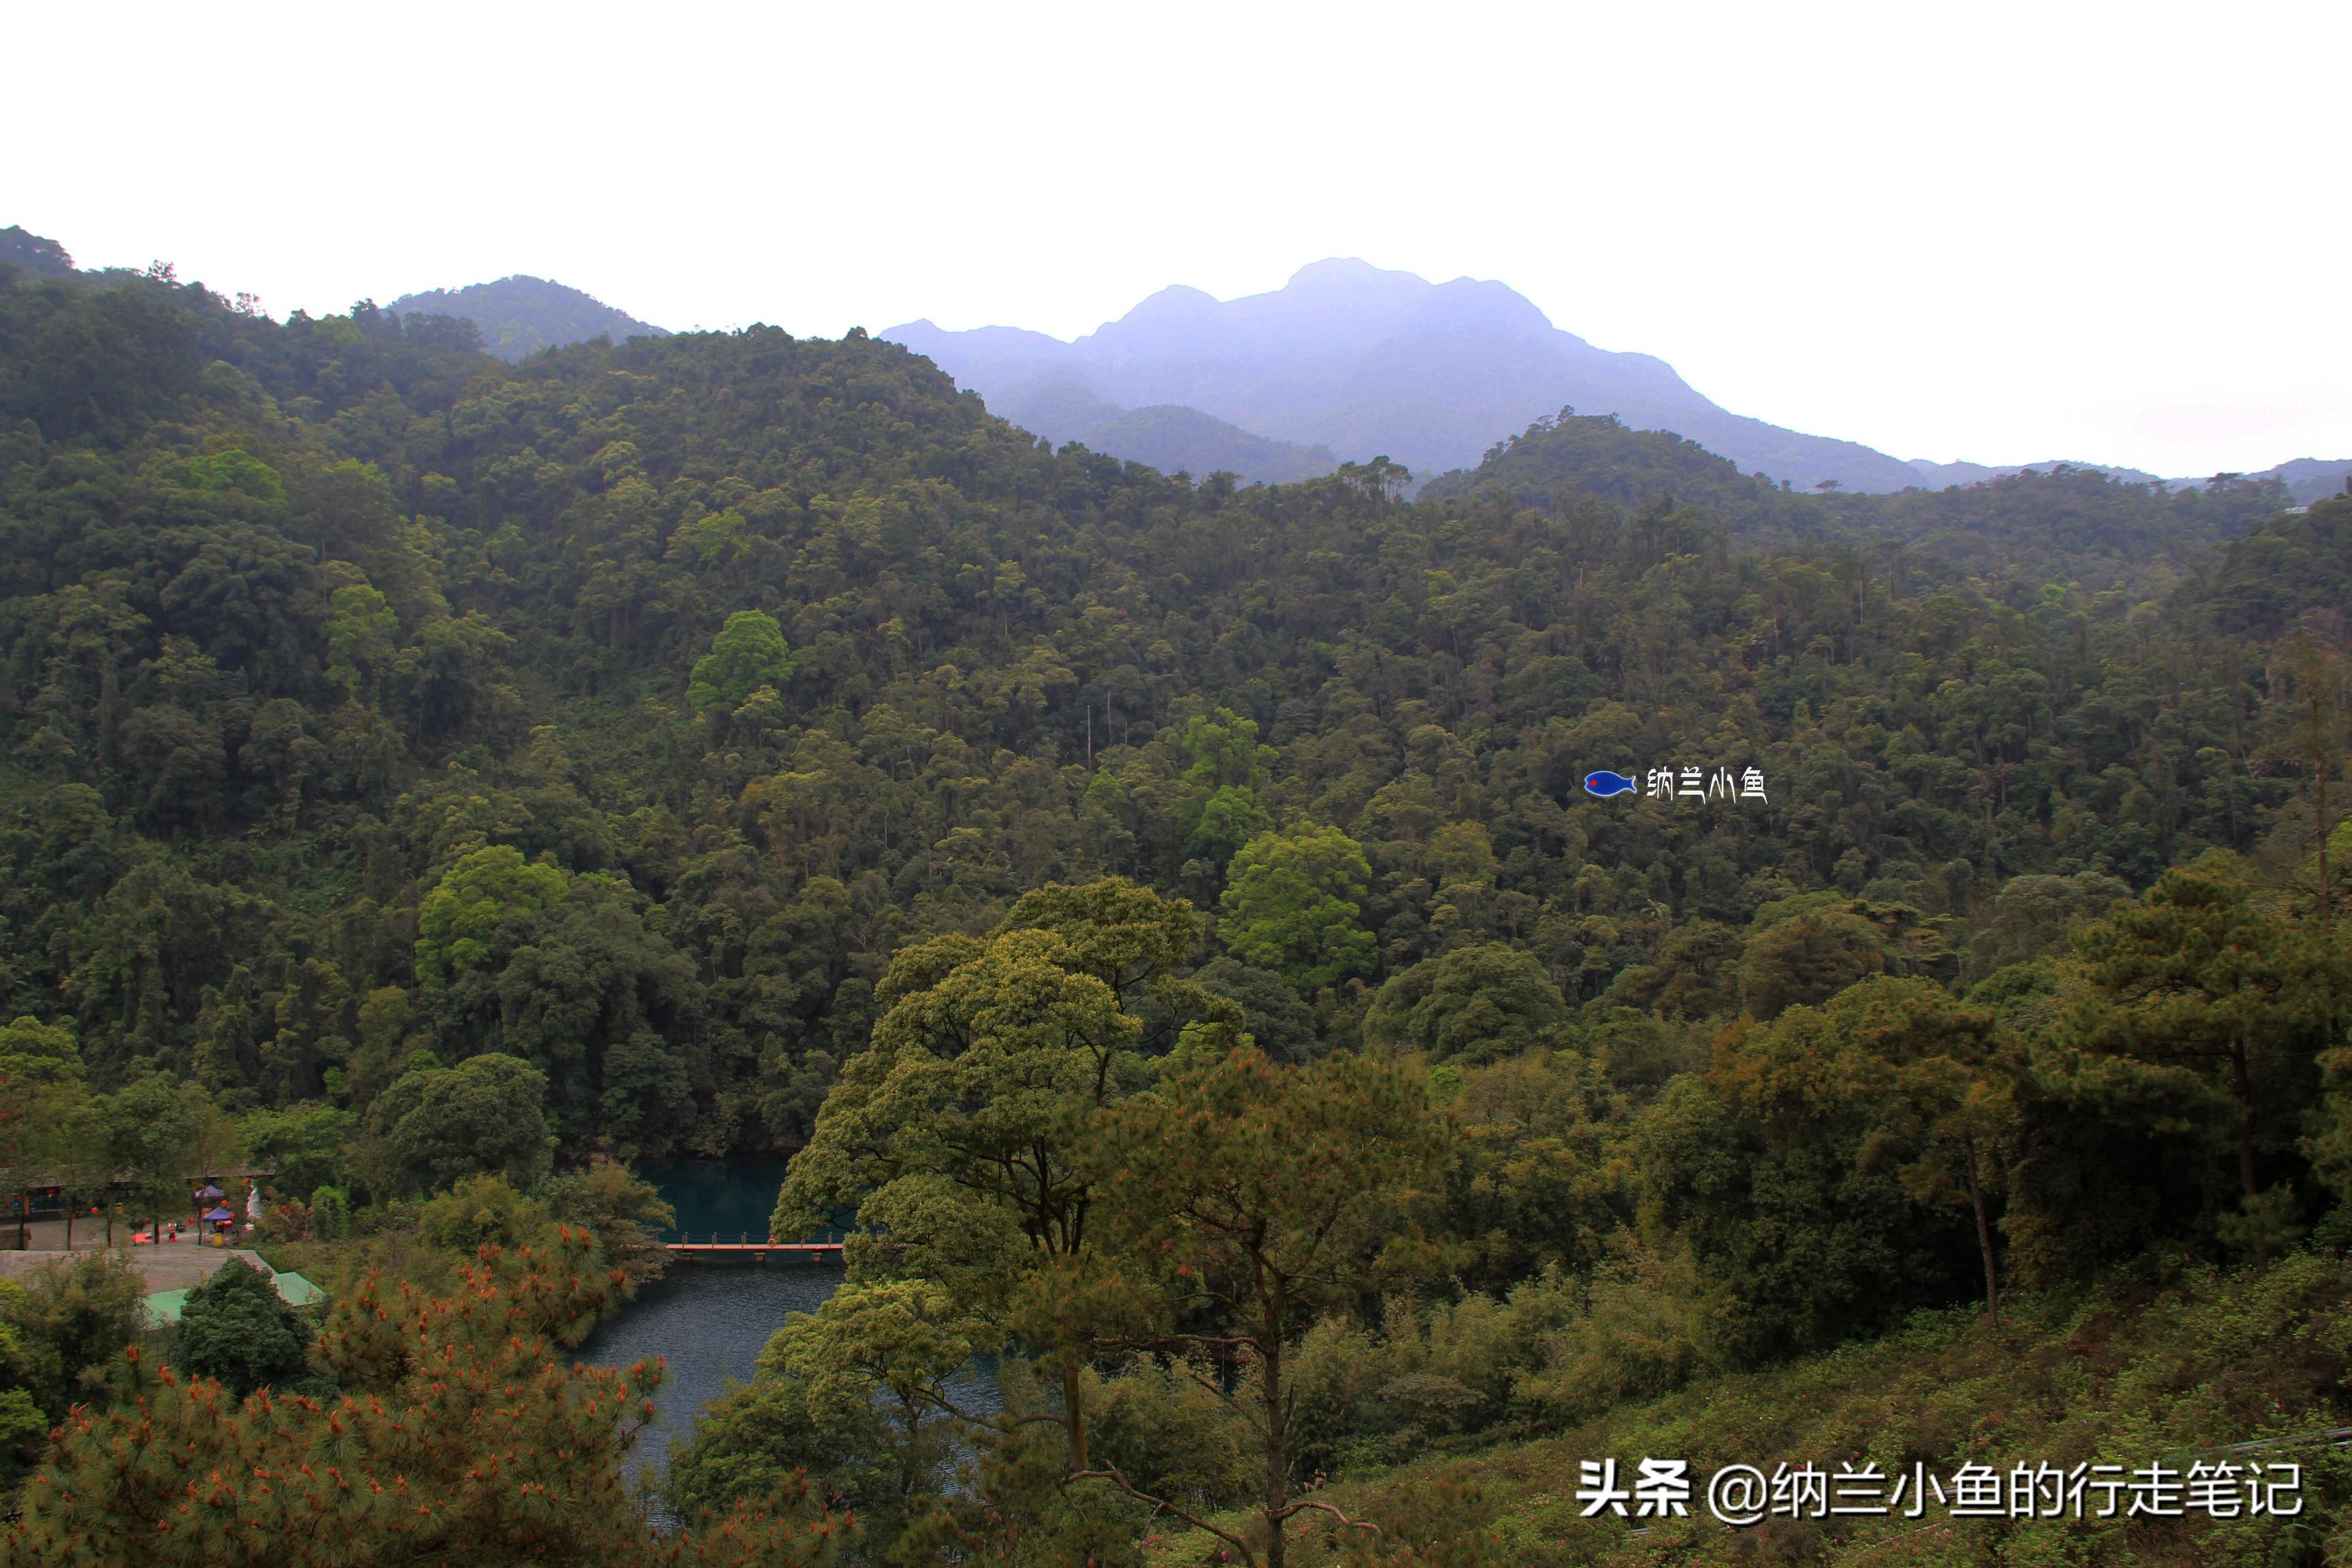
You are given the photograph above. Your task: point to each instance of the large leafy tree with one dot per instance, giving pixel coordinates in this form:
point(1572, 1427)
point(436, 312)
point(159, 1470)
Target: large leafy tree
point(1227, 763)
point(750, 652)
point(1947, 1112)
point(1808, 958)
point(610, 1013)
point(486, 1115)
point(1291, 905)
point(304, 1147)
point(849, 1395)
point(40, 1095)
point(233, 1328)
point(1258, 1197)
point(1130, 938)
point(1812, 1190)
point(959, 1136)
point(2207, 986)
point(362, 635)
point(1474, 1004)
point(151, 1135)
point(33, 1054)
point(461, 917)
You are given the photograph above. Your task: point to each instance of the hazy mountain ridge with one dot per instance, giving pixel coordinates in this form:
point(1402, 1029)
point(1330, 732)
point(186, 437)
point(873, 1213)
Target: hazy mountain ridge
point(1937, 476)
point(520, 316)
point(1345, 361)
point(1369, 362)
point(1372, 363)
point(1166, 437)
point(2307, 480)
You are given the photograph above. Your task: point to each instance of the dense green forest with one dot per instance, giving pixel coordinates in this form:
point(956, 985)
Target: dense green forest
point(422, 770)
point(2068, 527)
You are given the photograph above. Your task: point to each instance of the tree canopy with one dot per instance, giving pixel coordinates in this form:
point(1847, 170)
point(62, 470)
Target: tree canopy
point(234, 1329)
point(433, 776)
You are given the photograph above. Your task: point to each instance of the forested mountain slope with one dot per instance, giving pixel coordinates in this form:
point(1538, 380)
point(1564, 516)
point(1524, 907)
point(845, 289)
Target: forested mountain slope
point(1172, 917)
point(2064, 524)
point(518, 316)
point(366, 694)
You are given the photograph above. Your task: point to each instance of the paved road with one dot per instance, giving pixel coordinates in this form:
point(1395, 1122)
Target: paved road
point(172, 1266)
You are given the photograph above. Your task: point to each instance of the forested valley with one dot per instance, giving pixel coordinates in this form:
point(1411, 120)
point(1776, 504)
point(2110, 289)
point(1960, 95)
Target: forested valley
point(1168, 923)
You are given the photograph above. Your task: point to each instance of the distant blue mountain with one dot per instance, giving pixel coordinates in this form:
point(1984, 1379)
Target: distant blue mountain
point(1370, 363)
point(1166, 437)
point(1940, 476)
point(2307, 480)
point(2314, 478)
point(1344, 362)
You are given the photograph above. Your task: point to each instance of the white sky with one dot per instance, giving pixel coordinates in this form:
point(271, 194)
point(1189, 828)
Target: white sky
point(1992, 231)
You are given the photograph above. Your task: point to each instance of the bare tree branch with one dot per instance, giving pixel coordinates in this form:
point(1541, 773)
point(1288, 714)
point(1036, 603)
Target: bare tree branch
point(941, 1400)
point(1304, 1503)
point(1161, 1505)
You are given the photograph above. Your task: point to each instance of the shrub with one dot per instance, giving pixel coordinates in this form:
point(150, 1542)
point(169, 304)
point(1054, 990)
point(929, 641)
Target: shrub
point(234, 1328)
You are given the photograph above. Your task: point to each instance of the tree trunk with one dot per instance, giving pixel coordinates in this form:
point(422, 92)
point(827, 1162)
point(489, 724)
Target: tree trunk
point(1278, 1462)
point(910, 1461)
point(1984, 1243)
point(1073, 1414)
point(2320, 767)
point(2243, 1076)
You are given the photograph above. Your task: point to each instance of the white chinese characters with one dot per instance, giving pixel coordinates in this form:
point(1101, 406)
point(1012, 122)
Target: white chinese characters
point(1744, 1495)
point(1698, 785)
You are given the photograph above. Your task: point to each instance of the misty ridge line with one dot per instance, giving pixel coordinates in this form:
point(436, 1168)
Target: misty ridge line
point(1365, 362)
point(1345, 363)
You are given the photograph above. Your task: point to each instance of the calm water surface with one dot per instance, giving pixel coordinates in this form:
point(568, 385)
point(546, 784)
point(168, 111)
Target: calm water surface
point(710, 1320)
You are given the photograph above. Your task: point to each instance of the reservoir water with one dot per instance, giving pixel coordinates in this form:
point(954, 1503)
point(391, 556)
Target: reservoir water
point(711, 1321)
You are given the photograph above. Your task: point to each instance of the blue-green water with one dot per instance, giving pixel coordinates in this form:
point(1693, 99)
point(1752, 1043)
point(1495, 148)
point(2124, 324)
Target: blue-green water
point(733, 1198)
point(708, 1322)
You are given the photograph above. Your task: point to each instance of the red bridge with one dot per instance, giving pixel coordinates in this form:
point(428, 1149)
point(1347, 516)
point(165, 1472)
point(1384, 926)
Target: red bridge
point(745, 1249)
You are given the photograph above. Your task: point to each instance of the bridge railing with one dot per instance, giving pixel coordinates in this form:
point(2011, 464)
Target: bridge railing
point(743, 1242)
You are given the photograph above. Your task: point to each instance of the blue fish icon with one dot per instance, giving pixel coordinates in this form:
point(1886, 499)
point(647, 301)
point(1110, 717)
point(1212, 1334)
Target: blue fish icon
point(1606, 785)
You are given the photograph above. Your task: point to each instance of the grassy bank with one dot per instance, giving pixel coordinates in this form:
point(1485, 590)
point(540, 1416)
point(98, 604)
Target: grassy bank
point(2163, 1364)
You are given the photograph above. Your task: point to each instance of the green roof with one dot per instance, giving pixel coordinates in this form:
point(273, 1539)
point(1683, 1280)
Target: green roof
point(163, 1307)
point(296, 1291)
